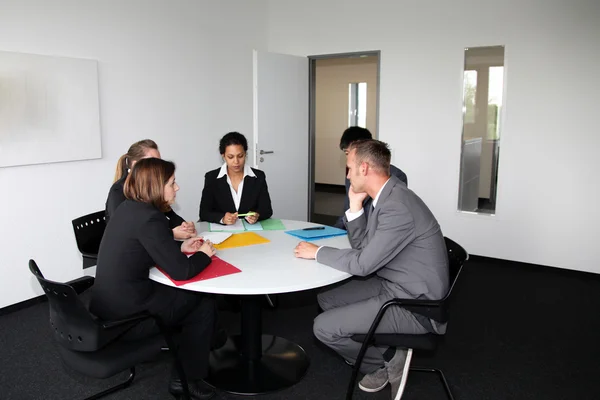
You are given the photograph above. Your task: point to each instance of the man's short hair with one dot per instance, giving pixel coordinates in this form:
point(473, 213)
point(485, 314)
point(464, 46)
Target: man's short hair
point(146, 182)
point(374, 152)
point(353, 134)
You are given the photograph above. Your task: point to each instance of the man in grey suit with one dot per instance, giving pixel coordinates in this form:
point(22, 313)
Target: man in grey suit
point(350, 136)
point(397, 252)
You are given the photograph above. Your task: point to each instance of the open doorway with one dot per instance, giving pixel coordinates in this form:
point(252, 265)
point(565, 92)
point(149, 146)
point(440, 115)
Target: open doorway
point(344, 92)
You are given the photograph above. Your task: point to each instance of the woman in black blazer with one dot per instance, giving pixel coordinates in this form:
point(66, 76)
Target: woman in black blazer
point(146, 148)
point(137, 238)
point(234, 188)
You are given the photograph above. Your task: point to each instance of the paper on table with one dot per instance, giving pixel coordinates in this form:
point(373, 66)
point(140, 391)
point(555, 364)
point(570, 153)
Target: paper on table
point(237, 227)
point(326, 232)
point(215, 237)
point(215, 269)
point(242, 239)
point(252, 227)
point(272, 224)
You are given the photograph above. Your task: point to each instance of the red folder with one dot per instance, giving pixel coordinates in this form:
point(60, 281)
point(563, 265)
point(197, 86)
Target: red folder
point(216, 268)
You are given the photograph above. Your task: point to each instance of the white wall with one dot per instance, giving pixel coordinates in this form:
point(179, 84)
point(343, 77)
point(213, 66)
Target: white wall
point(179, 72)
point(332, 77)
point(548, 187)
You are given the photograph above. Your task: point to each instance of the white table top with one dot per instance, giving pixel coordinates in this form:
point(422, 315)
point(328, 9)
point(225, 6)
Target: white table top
point(268, 268)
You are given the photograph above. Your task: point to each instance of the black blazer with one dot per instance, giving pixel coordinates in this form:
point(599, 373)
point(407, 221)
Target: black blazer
point(217, 200)
point(116, 197)
point(137, 238)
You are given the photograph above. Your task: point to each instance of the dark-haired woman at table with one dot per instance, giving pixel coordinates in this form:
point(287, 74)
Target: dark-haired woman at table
point(235, 188)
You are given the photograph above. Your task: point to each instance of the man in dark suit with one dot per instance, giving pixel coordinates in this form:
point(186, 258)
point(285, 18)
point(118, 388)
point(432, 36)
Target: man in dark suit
point(397, 252)
point(350, 136)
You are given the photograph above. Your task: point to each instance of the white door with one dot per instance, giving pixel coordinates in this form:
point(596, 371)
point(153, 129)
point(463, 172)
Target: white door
point(281, 131)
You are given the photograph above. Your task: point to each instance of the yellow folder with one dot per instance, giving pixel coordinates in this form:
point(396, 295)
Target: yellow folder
point(240, 240)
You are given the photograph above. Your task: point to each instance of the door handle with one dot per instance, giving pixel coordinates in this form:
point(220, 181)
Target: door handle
point(266, 152)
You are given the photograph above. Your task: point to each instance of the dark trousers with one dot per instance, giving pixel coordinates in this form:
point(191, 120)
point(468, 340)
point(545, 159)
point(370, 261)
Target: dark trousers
point(195, 315)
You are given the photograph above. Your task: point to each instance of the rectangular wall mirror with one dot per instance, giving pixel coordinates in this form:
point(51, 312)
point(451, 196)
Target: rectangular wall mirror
point(357, 104)
point(483, 86)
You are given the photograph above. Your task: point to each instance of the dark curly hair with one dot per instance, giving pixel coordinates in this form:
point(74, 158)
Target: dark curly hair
point(232, 138)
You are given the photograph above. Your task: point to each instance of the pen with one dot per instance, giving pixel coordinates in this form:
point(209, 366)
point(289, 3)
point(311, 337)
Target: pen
point(316, 228)
point(247, 214)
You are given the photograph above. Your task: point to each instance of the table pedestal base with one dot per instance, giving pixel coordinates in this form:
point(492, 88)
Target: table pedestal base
point(282, 364)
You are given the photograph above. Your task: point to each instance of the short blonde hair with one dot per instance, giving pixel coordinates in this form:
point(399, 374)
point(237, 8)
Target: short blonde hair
point(374, 152)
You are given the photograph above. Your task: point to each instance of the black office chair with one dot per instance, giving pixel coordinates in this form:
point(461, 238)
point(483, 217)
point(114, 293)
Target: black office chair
point(434, 309)
point(88, 234)
point(91, 346)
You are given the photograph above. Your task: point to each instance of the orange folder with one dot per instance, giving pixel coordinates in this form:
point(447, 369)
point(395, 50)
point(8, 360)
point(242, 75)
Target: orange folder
point(215, 269)
point(240, 240)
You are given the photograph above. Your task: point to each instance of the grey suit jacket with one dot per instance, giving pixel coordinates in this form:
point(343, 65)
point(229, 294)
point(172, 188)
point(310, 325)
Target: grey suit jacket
point(401, 242)
point(397, 172)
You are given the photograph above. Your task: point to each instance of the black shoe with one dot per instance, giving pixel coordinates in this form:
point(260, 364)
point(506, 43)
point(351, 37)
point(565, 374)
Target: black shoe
point(198, 390)
point(219, 339)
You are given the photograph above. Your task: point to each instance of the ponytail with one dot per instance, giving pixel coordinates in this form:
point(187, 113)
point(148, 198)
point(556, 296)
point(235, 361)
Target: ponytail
point(121, 167)
point(136, 152)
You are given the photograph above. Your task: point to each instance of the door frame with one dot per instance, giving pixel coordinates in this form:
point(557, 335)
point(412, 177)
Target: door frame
point(312, 112)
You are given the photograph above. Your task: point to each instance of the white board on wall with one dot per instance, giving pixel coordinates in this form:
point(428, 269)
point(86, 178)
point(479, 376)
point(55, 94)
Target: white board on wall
point(49, 109)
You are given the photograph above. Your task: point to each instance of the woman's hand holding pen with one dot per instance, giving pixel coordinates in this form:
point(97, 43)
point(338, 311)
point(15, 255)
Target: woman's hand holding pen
point(252, 218)
point(229, 218)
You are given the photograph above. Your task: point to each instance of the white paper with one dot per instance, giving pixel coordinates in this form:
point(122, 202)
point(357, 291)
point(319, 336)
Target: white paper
point(215, 237)
point(237, 227)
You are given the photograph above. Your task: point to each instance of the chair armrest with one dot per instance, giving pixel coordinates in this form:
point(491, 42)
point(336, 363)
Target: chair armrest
point(416, 303)
point(80, 285)
point(427, 308)
point(125, 321)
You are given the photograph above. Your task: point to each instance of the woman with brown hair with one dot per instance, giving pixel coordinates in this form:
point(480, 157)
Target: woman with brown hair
point(146, 148)
point(139, 237)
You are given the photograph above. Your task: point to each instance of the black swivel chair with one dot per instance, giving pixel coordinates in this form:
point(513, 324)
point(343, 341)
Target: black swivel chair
point(434, 309)
point(88, 234)
point(91, 346)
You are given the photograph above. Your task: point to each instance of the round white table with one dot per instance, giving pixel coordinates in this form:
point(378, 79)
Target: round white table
point(253, 363)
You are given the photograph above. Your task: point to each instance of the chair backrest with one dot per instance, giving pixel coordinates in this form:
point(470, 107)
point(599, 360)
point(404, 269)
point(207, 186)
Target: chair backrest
point(74, 327)
point(439, 309)
point(456, 259)
point(88, 231)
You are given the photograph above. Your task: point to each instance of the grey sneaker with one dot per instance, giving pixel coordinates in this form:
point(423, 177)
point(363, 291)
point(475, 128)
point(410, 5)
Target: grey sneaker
point(397, 370)
point(375, 381)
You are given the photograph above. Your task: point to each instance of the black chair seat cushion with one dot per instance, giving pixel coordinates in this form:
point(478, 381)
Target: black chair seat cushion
point(426, 342)
point(114, 358)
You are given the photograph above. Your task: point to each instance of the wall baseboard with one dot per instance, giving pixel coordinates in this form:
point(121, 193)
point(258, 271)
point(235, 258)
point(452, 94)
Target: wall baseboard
point(23, 304)
point(535, 267)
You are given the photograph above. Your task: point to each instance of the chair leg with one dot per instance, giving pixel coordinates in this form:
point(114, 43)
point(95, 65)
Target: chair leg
point(441, 376)
point(363, 349)
point(113, 389)
point(270, 301)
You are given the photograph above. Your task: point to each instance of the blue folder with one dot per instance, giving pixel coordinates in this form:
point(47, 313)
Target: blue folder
point(317, 234)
